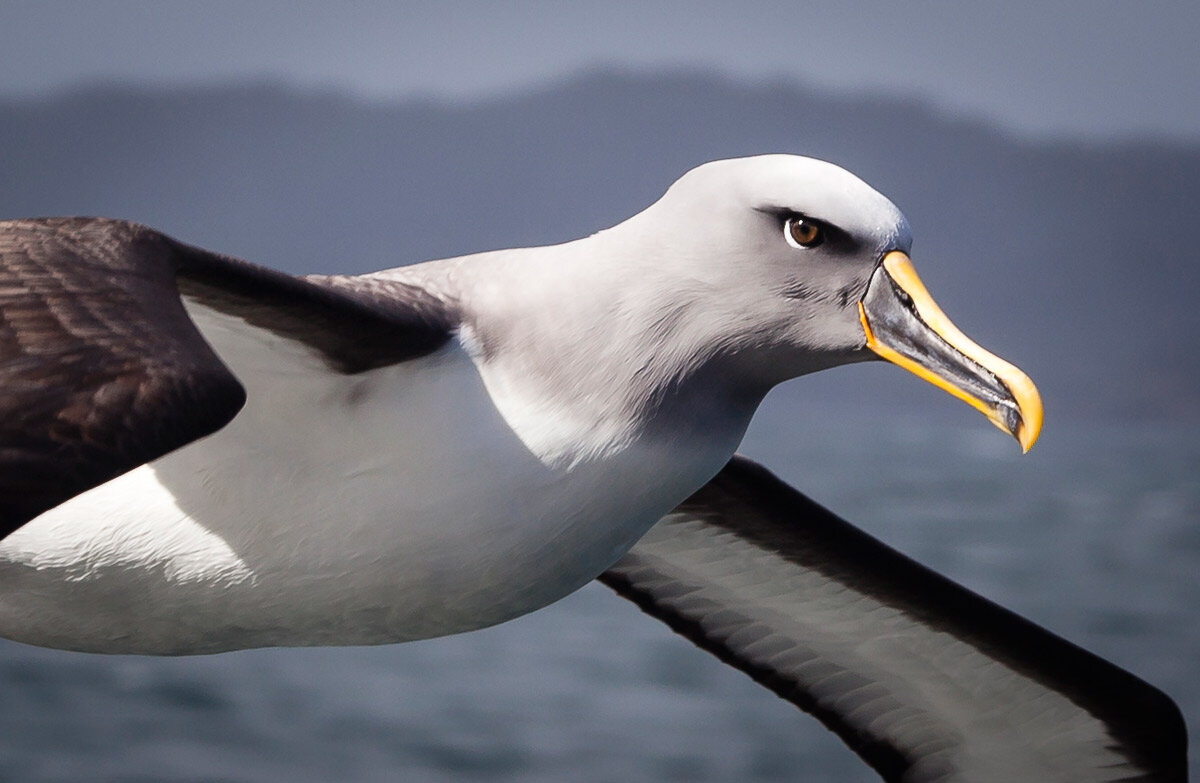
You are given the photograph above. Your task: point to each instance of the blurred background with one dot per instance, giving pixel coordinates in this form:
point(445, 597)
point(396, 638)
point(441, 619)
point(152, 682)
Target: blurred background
point(1047, 156)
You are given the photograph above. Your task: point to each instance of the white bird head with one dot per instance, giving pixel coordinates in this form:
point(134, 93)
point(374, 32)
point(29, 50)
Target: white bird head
point(787, 265)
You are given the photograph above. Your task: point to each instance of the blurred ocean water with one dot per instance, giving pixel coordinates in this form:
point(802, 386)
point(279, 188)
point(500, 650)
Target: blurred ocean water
point(1095, 534)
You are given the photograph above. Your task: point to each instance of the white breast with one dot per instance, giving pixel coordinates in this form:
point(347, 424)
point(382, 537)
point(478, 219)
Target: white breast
point(391, 505)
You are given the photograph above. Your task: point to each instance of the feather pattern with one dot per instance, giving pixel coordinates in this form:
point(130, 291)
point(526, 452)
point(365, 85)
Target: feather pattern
point(924, 679)
point(102, 370)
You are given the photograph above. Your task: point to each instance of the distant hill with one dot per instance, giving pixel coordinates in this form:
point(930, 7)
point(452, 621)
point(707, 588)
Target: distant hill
point(1078, 262)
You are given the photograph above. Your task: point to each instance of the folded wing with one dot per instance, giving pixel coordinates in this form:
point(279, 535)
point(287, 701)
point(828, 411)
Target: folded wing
point(924, 679)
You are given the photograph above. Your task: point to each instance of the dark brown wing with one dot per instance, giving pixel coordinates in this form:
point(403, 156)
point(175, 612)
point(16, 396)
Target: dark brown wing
point(924, 679)
point(101, 370)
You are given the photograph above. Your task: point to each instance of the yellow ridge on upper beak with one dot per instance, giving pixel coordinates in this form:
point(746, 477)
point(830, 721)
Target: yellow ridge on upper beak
point(1029, 403)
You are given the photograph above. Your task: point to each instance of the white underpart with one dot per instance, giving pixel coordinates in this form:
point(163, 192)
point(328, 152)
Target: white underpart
point(561, 438)
point(394, 504)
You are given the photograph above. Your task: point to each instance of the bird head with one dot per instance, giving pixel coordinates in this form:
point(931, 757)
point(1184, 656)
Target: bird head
point(801, 265)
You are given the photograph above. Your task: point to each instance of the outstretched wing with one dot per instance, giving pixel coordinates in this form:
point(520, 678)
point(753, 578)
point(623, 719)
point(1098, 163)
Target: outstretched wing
point(924, 679)
point(101, 370)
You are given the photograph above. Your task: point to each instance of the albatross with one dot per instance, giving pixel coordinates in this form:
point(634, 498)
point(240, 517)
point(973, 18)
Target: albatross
point(198, 454)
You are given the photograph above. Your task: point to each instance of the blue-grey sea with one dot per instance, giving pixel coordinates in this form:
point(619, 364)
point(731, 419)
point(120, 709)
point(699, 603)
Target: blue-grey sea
point(1095, 534)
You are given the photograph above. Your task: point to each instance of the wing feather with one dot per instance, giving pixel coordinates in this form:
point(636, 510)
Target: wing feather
point(924, 679)
point(102, 370)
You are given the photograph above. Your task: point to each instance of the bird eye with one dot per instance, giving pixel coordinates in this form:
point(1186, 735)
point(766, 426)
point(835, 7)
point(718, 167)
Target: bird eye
point(802, 232)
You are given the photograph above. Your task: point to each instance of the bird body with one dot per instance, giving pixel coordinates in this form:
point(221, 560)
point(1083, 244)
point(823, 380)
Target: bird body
point(408, 501)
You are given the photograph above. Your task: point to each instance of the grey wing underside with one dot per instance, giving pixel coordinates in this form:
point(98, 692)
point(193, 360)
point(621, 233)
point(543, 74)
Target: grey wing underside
point(101, 370)
point(924, 679)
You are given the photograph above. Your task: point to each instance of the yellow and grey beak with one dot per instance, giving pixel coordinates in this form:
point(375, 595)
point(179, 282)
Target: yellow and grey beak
point(905, 326)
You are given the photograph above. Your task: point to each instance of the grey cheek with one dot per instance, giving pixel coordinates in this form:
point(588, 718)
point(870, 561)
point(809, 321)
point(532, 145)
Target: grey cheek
point(800, 291)
point(845, 293)
point(853, 291)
